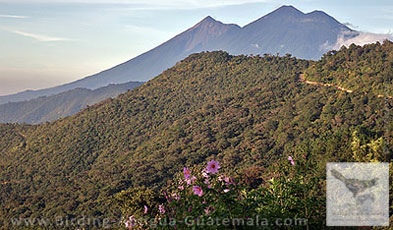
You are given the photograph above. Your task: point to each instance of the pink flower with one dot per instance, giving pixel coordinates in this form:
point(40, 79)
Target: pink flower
point(166, 196)
point(191, 180)
point(204, 173)
point(197, 190)
point(181, 187)
point(206, 181)
point(209, 210)
point(128, 224)
point(146, 209)
point(228, 180)
point(131, 222)
point(187, 173)
point(175, 196)
point(213, 167)
point(226, 190)
point(161, 209)
point(291, 160)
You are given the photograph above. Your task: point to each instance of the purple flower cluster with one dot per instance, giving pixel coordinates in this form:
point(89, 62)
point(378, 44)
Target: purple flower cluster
point(212, 168)
point(191, 182)
point(291, 160)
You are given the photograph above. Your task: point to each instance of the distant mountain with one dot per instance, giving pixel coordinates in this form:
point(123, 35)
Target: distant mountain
point(60, 105)
point(285, 30)
point(288, 30)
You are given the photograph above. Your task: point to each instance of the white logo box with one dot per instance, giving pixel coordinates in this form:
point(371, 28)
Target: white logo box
point(357, 194)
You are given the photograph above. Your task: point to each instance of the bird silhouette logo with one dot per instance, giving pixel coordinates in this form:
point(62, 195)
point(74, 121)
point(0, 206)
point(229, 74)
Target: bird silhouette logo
point(356, 186)
point(357, 194)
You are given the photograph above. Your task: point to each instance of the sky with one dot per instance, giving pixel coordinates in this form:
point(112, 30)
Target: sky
point(44, 43)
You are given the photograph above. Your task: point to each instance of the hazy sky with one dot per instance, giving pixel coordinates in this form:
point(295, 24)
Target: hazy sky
point(44, 43)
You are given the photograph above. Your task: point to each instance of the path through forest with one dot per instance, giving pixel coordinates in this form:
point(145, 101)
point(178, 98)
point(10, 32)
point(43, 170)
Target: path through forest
point(303, 79)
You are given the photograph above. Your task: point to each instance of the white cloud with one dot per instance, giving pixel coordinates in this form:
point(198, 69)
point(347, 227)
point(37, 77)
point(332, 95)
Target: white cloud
point(350, 25)
point(38, 37)
point(385, 14)
point(145, 30)
point(12, 16)
point(141, 5)
point(153, 4)
point(362, 38)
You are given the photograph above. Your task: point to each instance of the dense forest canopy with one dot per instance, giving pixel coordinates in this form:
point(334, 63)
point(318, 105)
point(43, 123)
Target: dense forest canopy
point(244, 111)
point(366, 68)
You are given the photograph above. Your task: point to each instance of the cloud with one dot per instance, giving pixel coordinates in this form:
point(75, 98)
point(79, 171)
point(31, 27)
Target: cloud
point(385, 14)
point(12, 16)
point(145, 30)
point(359, 38)
point(38, 37)
point(350, 25)
point(152, 4)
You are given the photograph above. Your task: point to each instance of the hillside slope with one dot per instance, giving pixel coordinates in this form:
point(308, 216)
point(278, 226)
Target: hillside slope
point(367, 69)
point(64, 104)
point(240, 110)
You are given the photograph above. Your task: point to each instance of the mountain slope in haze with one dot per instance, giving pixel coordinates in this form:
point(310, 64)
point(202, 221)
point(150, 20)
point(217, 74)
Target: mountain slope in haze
point(64, 104)
point(242, 111)
point(286, 30)
point(145, 66)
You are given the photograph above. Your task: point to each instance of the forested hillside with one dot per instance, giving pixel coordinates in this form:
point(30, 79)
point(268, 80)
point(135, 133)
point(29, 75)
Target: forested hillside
point(243, 111)
point(64, 104)
point(367, 69)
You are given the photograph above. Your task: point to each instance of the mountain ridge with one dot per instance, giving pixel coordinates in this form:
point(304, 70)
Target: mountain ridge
point(49, 108)
point(307, 39)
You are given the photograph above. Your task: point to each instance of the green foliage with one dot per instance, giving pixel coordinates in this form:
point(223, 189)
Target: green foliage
point(231, 203)
point(367, 69)
point(129, 201)
point(246, 112)
point(368, 152)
